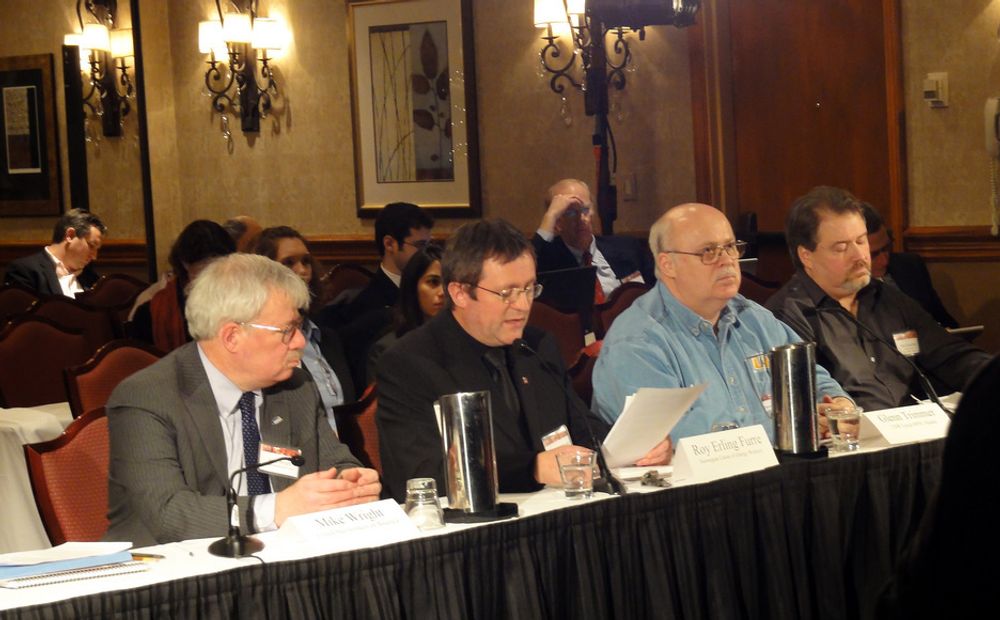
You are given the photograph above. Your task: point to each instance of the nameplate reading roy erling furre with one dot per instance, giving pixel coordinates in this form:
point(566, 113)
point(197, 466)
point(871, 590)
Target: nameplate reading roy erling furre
point(711, 456)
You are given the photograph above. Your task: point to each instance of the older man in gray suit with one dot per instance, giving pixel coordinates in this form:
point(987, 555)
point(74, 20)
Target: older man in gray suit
point(182, 426)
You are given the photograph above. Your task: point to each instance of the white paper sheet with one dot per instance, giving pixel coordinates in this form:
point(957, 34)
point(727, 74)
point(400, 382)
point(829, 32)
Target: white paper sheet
point(646, 420)
point(65, 551)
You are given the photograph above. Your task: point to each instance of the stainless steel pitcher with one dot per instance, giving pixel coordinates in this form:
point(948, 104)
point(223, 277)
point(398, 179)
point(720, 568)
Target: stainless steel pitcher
point(793, 381)
point(470, 459)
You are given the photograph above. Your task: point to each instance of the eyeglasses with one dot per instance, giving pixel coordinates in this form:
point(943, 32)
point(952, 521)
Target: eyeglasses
point(420, 244)
point(510, 295)
point(575, 212)
point(287, 333)
point(712, 253)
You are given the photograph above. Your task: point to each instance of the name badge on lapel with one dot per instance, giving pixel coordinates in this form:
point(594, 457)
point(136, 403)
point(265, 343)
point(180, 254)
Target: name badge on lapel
point(285, 469)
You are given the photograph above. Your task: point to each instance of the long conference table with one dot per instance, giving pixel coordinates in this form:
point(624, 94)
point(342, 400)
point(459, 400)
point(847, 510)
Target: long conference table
point(811, 539)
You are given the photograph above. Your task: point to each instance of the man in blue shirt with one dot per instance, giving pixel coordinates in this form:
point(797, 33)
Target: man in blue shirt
point(694, 327)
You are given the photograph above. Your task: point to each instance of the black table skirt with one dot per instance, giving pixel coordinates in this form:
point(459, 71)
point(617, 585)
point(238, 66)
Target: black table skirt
point(804, 540)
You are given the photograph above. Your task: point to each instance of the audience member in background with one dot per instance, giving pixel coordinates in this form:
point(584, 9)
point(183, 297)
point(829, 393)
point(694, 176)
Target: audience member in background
point(401, 229)
point(694, 327)
point(904, 270)
point(863, 328)
point(565, 239)
point(244, 230)
point(181, 427)
point(421, 296)
point(323, 355)
point(481, 342)
point(161, 321)
point(63, 267)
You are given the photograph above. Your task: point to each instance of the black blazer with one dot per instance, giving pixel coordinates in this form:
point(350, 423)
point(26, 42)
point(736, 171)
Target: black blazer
point(440, 358)
point(909, 273)
point(38, 273)
point(626, 255)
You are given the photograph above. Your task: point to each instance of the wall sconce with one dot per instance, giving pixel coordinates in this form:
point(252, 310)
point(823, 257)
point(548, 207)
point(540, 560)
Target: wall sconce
point(241, 40)
point(100, 46)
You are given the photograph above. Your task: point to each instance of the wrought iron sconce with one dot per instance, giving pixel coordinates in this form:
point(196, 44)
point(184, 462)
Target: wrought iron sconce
point(104, 52)
point(236, 42)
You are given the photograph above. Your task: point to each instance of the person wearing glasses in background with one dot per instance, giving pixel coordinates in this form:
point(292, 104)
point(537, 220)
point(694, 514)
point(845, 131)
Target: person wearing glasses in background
point(481, 341)
point(64, 266)
point(694, 327)
point(565, 239)
point(181, 427)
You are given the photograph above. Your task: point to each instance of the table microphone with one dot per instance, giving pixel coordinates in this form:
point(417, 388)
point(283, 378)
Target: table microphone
point(236, 544)
point(612, 485)
point(921, 377)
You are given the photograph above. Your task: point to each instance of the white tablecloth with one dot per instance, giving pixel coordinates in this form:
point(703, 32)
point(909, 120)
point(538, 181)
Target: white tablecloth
point(20, 526)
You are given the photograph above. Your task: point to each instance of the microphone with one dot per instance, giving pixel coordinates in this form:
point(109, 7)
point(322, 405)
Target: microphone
point(609, 483)
point(236, 544)
point(921, 377)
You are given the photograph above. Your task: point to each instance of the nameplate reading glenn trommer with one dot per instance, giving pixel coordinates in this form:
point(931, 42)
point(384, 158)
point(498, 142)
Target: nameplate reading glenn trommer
point(893, 427)
point(365, 525)
point(711, 456)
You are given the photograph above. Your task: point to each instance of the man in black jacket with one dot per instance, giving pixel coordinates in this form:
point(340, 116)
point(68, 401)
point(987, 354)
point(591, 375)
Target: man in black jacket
point(63, 267)
point(481, 342)
point(565, 239)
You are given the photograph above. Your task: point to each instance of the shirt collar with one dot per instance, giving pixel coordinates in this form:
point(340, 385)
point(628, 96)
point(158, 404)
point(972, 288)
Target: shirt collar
point(58, 263)
point(694, 323)
point(396, 279)
point(227, 394)
point(819, 298)
point(311, 331)
point(578, 254)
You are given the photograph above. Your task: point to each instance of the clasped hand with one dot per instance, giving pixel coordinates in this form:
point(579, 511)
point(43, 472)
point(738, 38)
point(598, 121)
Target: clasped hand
point(327, 489)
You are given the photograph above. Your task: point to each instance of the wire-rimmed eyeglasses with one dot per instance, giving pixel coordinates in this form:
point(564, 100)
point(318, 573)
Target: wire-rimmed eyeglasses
point(510, 295)
point(287, 333)
point(712, 253)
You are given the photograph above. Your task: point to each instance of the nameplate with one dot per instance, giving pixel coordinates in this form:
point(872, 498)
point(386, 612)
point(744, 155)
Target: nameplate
point(892, 427)
point(365, 525)
point(703, 458)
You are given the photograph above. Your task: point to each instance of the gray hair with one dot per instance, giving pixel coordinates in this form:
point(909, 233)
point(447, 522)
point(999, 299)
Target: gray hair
point(236, 288)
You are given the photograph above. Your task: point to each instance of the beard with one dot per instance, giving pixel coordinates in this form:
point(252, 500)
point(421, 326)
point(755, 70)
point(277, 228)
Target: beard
point(855, 283)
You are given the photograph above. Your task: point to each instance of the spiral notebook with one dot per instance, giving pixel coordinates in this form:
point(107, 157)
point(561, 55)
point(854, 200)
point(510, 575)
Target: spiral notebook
point(78, 574)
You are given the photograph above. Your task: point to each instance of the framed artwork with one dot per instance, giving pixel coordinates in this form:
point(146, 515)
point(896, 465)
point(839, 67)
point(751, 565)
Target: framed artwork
point(413, 96)
point(29, 159)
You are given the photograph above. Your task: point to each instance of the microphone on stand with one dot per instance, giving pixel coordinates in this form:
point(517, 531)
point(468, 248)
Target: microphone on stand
point(611, 485)
point(921, 377)
point(236, 544)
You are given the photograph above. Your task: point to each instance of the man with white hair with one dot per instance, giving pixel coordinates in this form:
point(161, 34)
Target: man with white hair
point(182, 426)
point(694, 327)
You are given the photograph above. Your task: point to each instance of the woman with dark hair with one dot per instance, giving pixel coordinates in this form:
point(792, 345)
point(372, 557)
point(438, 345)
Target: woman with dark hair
point(323, 355)
point(161, 321)
point(421, 296)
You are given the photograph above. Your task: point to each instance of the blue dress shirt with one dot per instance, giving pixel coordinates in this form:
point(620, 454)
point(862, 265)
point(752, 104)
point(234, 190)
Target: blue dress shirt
point(658, 342)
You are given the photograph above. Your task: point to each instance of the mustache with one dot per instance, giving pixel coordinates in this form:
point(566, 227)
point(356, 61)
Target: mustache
point(728, 271)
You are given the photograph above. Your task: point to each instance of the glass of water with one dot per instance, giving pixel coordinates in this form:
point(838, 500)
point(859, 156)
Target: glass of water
point(845, 423)
point(422, 503)
point(577, 472)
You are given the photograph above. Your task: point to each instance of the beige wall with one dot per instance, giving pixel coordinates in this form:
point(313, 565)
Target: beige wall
point(113, 163)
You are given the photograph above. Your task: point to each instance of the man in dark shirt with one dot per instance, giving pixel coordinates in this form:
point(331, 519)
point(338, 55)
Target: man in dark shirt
point(904, 270)
point(480, 341)
point(863, 328)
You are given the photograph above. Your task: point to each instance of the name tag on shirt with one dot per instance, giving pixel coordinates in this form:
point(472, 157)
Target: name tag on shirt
point(557, 438)
point(285, 469)
point(907, 342)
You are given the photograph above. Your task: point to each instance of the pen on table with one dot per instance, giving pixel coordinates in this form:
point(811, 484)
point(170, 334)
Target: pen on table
point(146, 557)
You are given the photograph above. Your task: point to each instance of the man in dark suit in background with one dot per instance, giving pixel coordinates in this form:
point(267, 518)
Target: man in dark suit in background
point(905, 270)
point(63, 267)
point(480, 341)
point(181, 427)
point(565, 239)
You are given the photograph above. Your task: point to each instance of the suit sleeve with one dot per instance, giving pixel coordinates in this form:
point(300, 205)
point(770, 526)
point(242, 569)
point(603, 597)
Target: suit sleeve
point(410, 444)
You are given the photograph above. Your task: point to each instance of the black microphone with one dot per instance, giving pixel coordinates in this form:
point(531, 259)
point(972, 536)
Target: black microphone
point(609, 483)
point(236, 544)
point(921, 377)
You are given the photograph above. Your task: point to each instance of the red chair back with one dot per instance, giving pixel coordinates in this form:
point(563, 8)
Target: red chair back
point(97, 324)
point(357, 430)
point(33, 353)
point(581, 373)
point(15, 299)
point(757, 289)
point(618, 302)
point(90, 384)
point(566, 328)
point(114, 292)
point(341, 278)
point(69, 478)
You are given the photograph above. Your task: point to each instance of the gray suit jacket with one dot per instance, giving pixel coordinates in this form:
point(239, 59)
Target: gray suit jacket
point(168, 473)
